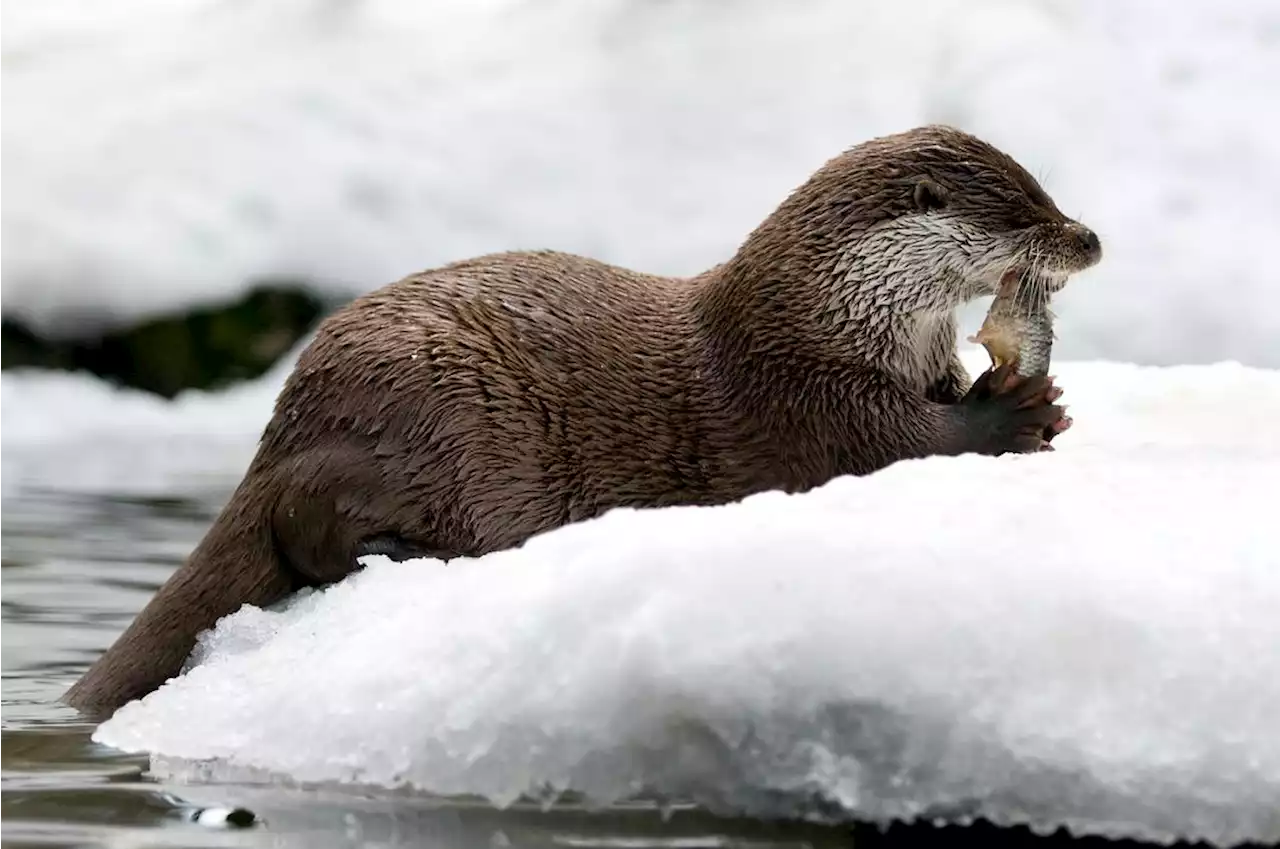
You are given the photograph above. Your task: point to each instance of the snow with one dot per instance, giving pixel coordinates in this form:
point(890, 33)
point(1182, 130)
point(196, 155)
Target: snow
point(1085, 638)
point(74, 433)
point(160, 154)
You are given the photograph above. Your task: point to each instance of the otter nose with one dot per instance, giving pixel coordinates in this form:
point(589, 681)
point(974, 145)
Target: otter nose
point(1089, 242)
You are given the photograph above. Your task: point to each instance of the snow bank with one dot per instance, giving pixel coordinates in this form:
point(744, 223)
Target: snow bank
point(1084, 638)
point(73, 432)
point(162, 153)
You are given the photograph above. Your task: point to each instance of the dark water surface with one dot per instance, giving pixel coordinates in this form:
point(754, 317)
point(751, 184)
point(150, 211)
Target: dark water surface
point(75, 571)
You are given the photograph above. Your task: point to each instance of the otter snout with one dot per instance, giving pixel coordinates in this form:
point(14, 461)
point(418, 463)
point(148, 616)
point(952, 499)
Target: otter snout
point(1086, 244)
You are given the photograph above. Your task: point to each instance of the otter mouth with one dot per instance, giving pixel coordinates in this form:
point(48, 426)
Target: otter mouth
point(1048, 281)
point(1045, 263)
point(1029, 282)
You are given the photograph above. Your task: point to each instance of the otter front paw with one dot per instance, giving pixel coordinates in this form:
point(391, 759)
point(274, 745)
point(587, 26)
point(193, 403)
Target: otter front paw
point(1003, 413)
point(1058, 426)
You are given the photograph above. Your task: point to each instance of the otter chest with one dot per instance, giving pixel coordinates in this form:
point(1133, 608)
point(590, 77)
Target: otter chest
point(926, 346)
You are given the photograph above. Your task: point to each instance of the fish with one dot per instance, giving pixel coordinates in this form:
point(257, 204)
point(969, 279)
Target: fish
point(1018, 328)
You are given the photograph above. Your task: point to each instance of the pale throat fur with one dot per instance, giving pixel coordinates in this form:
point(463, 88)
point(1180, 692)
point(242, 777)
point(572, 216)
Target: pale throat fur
point(881, 300)
point(892, 293)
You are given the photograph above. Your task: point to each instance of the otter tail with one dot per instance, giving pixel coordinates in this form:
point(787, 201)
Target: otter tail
point(236, 563)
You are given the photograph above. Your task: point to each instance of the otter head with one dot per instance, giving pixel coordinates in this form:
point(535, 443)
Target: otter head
point(933, 217)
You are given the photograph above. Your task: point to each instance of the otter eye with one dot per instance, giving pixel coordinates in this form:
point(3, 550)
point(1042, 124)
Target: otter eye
point(929, 195)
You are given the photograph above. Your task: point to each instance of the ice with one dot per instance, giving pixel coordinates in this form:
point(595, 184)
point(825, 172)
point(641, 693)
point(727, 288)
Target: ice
point(1085, 638)
point(159, 154)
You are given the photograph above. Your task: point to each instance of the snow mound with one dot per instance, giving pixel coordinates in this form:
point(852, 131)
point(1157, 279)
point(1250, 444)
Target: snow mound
point(1086, 638)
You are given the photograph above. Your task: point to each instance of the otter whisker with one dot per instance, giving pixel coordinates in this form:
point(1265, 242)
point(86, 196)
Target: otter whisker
point(1037, 289)
point(1034, 272)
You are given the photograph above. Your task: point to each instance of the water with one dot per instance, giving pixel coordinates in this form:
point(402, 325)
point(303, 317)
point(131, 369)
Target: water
point(76, 570)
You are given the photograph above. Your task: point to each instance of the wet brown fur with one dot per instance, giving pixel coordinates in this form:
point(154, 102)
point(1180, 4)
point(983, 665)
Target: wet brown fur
point(467, 408)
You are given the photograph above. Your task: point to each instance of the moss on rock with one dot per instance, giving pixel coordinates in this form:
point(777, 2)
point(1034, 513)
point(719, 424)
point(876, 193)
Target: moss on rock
point(204, 348)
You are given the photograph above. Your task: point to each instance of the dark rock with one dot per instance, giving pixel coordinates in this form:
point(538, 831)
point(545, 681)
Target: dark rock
point(204, 348)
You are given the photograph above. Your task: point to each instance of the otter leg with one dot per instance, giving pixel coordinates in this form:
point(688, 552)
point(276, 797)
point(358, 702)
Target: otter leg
point(953, 386)
point(1051, 395)
point(1000, 414)
point(302, 521)
point(1005, 413)
point(337, 505)
point(236, 563)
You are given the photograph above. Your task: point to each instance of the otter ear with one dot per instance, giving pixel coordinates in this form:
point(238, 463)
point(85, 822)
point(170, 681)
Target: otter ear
point(929, 195)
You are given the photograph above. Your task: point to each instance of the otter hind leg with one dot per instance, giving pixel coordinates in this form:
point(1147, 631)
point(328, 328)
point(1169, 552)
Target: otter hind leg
point(337, 505)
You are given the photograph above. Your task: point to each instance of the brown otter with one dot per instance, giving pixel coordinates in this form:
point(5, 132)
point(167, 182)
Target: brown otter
point(467, 408)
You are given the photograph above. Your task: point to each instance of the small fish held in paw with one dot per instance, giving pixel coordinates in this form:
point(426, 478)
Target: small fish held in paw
point(1018, 335)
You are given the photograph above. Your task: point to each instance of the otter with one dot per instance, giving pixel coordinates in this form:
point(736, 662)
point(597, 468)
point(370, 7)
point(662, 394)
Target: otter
point(467, 408)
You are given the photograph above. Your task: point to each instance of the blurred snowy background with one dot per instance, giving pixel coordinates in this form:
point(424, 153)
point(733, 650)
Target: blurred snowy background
point(161, 155)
